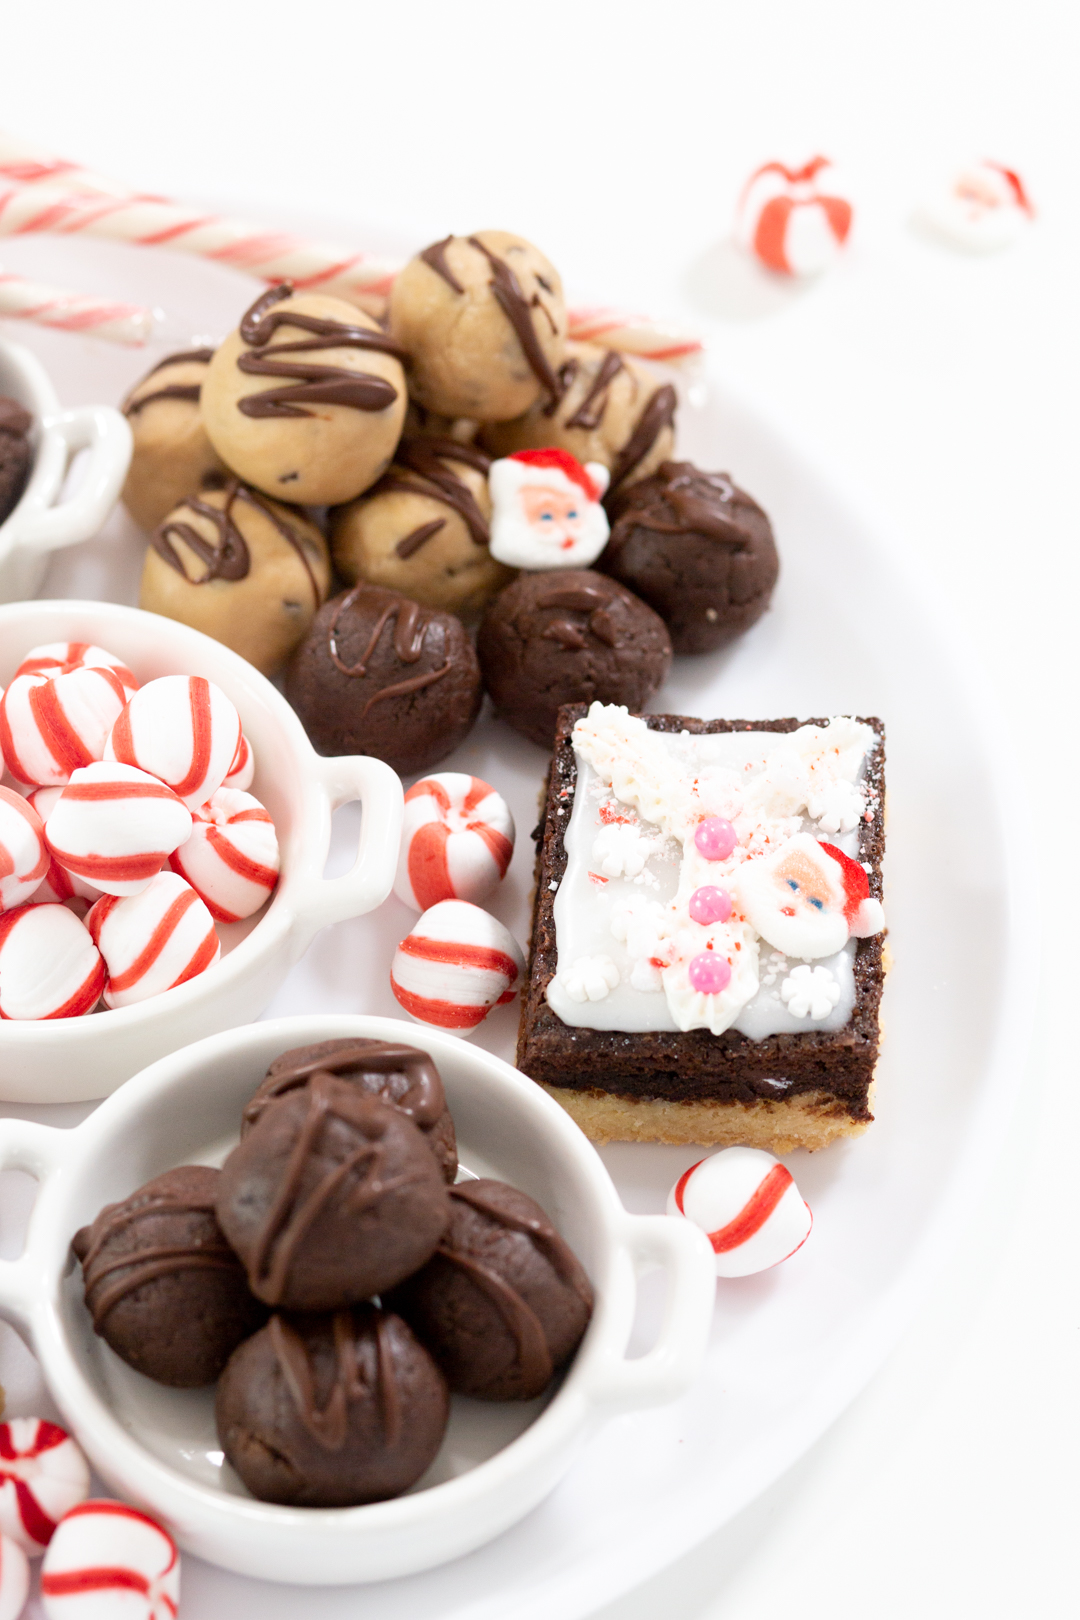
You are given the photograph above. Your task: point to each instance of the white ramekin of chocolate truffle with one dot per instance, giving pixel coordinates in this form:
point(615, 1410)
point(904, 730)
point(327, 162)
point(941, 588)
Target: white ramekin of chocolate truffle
point(164, 829)
point(37, 443)
point(337, 1300)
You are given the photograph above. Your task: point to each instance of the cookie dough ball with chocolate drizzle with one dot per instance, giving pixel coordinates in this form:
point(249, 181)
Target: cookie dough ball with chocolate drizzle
point(171, 455)
point(402, 1076)
point(698, 549)
point(569, 637)
point(483, 321)
point(307, 399)
point(163, 1287)
point(331, 1411)
point(611, 409)
point(330, 1197)
point(378, 674)
point(423, 529)
point(504, 1302)
point(241, 568)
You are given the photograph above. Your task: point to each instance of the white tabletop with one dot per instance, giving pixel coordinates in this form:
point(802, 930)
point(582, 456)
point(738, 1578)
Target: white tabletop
point(618, 137)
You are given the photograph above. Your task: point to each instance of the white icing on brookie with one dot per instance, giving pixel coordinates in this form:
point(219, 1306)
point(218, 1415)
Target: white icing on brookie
point(624, 932)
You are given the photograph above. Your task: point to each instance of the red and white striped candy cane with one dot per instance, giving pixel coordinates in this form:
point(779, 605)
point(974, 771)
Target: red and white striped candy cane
point(631, 333)
point(23, 299)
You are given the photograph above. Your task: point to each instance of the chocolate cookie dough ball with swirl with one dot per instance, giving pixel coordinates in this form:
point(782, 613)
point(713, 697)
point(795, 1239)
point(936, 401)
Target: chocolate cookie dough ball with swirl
point(611, 409)
point(423, 529)
point(172, 455)
point(483, 321)
point(243, 569)
point(307, 399)
point(378, 674)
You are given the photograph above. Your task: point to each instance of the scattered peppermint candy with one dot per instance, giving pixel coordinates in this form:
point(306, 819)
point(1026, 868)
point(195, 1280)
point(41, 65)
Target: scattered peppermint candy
point(107, 1561)
point(794, 221)
point(116, 826)
point(589, 978)
point(748, 1206)
point(43, 1475)
point(456, 965)
point(51, 726)
point(181, 729)
point(24, 859)
point(810, 992)
point(456, 841)
point(231, 859)
point(152, 941)
point(546, 510)
point(983, 208)
point(49, 965)
point(14, 1578)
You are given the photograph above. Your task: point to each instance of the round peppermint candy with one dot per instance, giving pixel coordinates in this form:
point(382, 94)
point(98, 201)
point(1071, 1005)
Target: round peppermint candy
point(748, 1206)
point(43, 1475)
point(49, 965)
point(152, 941)
point(51, 726)
point(183, 730)
point(14, 1579)
point(242, 770)
point(793, 221)
point(24, 859)
point(456, 841)
point(116, 826)
point(231, 859)
point(456, 965)
point(107, 1561)
point(60, 657)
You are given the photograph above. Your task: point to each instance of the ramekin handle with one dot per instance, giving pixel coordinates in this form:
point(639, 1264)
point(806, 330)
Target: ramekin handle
point(107, 436)
point(344, 778)
point(670, 1367)
point(40, 1150)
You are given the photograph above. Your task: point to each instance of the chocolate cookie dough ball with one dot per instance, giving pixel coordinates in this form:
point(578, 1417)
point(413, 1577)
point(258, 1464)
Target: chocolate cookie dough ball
point(569, 637)
point(331, 1411)
point(423, 529)
point(15, 453)
point(696, 548)
point(401, 1076)
point(504, 1302)
point(378, 674)
point(330, 1197)
point(307, 400)
point(241, 568)
point(612, 410)
point(172, 455)
point(164, 1288)
point(483, 321)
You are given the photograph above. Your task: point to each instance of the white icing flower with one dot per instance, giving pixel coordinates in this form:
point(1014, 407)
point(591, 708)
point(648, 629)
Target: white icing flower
point(621, 851)
point(589, 978)
point(836, 806)
point(810, 992)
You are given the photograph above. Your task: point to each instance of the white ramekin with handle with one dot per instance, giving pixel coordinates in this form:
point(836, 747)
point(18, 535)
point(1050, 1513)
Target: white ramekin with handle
point(75, 1059)
point(157, 1447)
point(38, 525)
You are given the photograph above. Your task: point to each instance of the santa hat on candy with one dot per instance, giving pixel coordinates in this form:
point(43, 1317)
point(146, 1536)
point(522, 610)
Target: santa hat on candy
point(522, 543)
point(592, 478)
point(865, 916)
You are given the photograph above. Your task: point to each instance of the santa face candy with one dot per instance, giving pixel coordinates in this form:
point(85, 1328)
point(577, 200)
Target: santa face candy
point(24, 859)
point(983, 208)
point(456, 966)
point(49, 964)
point(331, 1411)
point(794, 221)
point(546, 510)
point(107, 1559)
point(377, 674)
point(456, 841)
point(152, 941)
point(241, 568)
point(697, 549)
point(570, 637)
point(483, 321)
point(163, 1287)
point(330, 1197)
point(181, 729)
point(712, 887)
point(43, 1474)
point(171, 456)
point(116, 826)
point(307, 400)
point(748, 1206)
point(504, 1303)
point(231, 858)
point(15, 453)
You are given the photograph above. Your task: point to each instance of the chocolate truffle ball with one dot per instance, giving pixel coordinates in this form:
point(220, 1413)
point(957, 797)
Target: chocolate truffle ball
point(483, 321)
point(612, 410)
point(423, 529)
point(307, 400)
point(378, 674)
point(165, 1290)
point(171, 456)
point(402, 1076)
point(330, 1197)
point(696, 548)
point(331, 1411)
point(504, 1302)
point(15, 453)
point(569, 637)
point(241, 568)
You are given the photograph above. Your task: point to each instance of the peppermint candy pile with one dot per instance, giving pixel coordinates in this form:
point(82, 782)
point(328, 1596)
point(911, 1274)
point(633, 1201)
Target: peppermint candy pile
point(128, 834)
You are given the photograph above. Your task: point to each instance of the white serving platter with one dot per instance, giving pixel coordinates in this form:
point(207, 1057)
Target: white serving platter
point(850, 631)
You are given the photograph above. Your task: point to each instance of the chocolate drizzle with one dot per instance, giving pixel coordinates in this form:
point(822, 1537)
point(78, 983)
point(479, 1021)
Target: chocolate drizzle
point(590, 412)
point(186, 391)
point(682, 499)
point(510, 297)
point(427, 458)
point(435, 256)
point(590, 599)
point(316, 384)
point(410, 628)
point(328, 1425)
point(424, 1100)
point(658, 414)
point(228, 558)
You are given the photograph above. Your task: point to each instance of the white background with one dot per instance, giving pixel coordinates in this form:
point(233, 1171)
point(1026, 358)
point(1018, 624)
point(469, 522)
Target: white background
point(617, 136)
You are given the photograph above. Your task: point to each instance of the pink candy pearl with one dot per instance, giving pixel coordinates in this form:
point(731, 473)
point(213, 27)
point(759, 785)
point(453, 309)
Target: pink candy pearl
point(715, 838)
point(709, 905)
point(709, 973)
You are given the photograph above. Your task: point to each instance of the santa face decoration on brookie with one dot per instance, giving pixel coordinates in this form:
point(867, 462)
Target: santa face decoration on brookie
point(807, 899)
point(546, 510)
